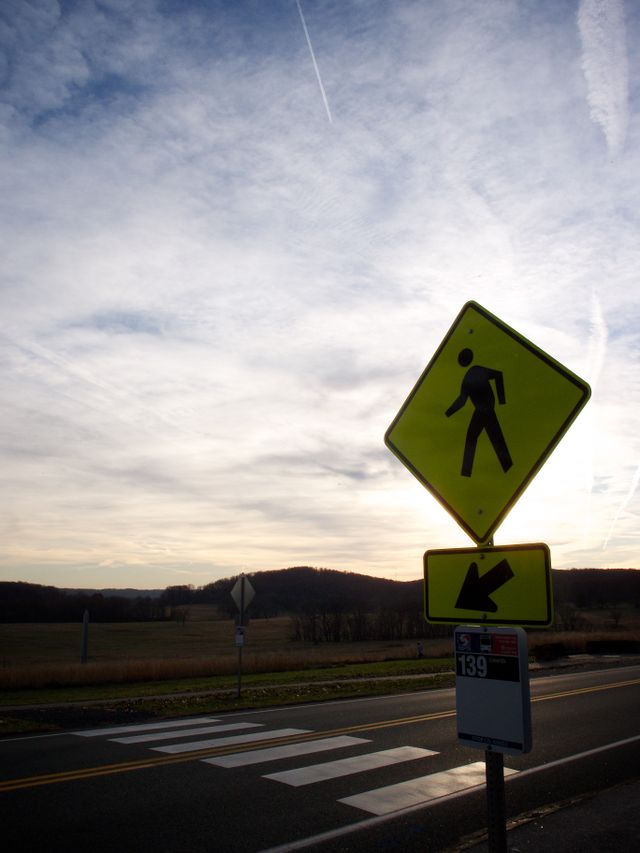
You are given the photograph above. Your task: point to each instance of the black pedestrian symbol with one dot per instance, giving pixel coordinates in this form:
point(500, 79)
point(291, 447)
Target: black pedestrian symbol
point(476, 386)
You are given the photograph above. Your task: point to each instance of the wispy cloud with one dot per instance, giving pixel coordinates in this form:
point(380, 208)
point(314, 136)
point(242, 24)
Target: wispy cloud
point(597, 340)
point(605, 66)
point(214, 301)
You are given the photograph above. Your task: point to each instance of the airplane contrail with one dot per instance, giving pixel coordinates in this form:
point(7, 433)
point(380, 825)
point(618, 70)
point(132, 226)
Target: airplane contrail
point(315, 64)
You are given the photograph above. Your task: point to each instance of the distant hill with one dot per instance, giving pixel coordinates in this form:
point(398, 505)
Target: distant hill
point(597, 587)
point(292, 589)
point(301, 590)
point(120, 593)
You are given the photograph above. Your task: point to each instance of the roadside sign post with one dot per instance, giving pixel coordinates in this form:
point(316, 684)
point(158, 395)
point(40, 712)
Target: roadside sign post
point(496, 802)
point(480, 422)
point(242, 593)
point(84, 647)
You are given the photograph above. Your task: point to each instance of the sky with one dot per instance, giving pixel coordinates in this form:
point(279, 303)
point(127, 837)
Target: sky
point(233, 235)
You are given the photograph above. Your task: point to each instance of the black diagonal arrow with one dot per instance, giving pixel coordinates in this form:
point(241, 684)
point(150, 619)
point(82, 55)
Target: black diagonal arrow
point(476, 590)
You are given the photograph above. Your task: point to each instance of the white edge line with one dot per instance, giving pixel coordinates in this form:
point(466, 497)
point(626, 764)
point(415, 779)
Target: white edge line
point(32, 737)
point(365, 824)
point(375, 821)
point(578, 756)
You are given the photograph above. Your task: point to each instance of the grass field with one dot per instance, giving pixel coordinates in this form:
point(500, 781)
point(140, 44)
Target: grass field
point(60, 643)
point(142, 670)
point(40, 655)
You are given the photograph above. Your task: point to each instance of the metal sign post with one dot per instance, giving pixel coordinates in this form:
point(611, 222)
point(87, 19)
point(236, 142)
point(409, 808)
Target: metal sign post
point(84, 649)
point(496, 807)
point(241, 626)
point(242, 593)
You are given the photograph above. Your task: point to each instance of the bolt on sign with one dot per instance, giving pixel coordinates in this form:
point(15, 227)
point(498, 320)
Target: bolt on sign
point(485, 415)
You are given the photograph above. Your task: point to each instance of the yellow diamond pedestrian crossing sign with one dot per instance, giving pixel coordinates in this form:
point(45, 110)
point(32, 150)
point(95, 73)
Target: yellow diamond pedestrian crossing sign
point(483, 418)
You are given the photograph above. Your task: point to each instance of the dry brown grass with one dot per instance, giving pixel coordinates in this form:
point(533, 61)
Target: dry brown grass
point(576, 642)
point(60, 643)
point(161, 669)
point(39, 655)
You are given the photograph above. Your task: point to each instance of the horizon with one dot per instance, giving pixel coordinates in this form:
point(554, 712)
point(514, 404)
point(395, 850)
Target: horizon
point(291, 568)
point(234, 234)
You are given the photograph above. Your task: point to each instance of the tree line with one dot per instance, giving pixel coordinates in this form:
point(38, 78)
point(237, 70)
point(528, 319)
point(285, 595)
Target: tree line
point(324, 605)
point(28, 602)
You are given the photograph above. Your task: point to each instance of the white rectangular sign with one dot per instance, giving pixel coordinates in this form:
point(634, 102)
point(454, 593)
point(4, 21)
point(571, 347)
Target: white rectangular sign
point(493, 706)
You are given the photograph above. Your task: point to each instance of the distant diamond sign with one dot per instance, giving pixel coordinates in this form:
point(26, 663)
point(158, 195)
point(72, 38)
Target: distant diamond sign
point(242, 593)
point(483, 418)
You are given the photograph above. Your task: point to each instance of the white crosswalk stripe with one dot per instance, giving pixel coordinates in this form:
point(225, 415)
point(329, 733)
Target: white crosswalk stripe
point(145, 727)
point(201, 730)
point(257, 756)
point(347, 766)
point(226, 741)
point(391, 798)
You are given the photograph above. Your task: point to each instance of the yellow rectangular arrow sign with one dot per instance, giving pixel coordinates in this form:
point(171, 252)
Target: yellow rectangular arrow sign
point(502, 585)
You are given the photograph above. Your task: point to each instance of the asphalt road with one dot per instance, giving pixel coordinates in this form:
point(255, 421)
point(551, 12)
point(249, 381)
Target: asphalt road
point(335, 776)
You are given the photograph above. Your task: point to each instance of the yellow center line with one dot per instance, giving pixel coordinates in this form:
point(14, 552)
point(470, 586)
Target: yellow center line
point(197, 755)
point(580, 690)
